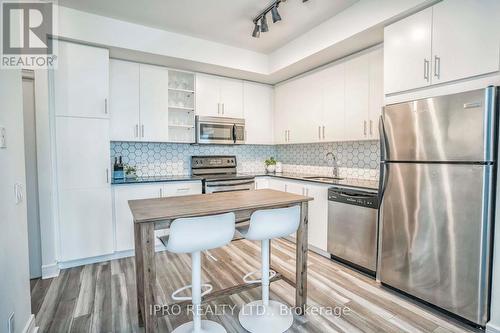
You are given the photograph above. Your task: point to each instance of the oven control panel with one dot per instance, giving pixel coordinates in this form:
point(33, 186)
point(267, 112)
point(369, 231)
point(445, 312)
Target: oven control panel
point(207, 162)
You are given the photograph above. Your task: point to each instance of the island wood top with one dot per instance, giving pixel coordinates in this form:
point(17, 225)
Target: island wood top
point(161, 209)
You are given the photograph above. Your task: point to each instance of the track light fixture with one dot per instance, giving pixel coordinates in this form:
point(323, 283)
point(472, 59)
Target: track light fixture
point(274, 13)
point(256, 31)
point(263, 24)
point(263, 27)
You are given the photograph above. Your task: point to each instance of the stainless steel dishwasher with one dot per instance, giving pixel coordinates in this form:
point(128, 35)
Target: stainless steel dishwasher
point(353, 227)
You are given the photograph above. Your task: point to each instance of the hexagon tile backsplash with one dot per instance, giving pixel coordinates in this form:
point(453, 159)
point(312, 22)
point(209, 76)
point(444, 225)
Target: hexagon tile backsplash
point(357, 159)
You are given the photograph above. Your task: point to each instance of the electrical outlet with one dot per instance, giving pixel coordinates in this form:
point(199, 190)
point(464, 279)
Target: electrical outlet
point(3, 137)
point(10, 323)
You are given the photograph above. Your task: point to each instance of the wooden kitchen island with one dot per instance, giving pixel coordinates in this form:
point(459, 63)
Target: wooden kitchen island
point(157, 214)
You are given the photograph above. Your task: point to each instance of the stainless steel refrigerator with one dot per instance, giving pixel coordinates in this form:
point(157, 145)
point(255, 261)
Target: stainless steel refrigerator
point(437, 187)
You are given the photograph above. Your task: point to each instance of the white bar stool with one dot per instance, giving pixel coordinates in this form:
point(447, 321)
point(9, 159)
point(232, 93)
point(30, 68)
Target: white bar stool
point(193, 235)
point(266, 315)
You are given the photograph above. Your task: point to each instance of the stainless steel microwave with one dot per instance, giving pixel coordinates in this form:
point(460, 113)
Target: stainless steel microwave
point(220, 130)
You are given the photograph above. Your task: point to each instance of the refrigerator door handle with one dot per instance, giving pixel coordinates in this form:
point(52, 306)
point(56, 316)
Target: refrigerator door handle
point(384, 154)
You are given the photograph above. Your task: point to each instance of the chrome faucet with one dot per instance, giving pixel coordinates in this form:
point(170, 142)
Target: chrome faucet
point(335, 166)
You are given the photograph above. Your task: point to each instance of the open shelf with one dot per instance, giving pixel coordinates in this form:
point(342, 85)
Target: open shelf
point(181, 90)
point(180, 126)
point(183, 108)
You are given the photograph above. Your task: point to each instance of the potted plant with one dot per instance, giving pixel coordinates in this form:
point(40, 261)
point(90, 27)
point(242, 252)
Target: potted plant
point(130, 171)
point(270, 164)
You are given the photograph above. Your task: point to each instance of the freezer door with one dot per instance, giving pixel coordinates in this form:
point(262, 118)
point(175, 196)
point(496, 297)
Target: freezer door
point(448, 128)
point(435, 235)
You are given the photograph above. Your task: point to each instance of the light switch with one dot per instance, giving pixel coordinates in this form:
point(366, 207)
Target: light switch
point(3, 139)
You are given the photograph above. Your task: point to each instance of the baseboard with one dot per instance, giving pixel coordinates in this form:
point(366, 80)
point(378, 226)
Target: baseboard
point(30, 325)
point(490, 328)
point(50, 271)
point(98, 259)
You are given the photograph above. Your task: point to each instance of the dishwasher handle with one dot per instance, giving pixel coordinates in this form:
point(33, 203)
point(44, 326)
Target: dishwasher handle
point(354, 197)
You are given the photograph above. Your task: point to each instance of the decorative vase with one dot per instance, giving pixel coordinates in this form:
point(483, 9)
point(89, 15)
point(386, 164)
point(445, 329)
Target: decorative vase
point(271, 168)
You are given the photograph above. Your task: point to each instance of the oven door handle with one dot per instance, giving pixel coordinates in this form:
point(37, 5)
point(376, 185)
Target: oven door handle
point(221, 184)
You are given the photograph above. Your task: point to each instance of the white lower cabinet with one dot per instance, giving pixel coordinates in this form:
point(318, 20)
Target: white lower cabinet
point(318, 215)
point(124, 228)
point(86, 227)
point(318, 208)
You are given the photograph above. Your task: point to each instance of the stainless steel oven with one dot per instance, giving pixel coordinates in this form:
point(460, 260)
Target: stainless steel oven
point(220, 130)
point(219, 174)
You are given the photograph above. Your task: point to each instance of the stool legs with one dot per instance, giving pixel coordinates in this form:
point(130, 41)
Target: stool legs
point(265, 271)
point(265, 315)
point(198, 325)
point(196, 283)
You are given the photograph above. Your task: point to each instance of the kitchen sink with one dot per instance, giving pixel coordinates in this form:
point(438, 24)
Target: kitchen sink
point(324, 179)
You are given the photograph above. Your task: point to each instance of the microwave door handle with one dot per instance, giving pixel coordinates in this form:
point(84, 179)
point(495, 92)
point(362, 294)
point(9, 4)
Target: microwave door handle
point(234, 133)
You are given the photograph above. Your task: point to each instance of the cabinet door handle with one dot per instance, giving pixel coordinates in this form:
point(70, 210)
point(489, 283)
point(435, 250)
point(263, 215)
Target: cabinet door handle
point(136, 130)
point(161, 192)
point(142, 128)
point(371, 127)
point(218, 108)
point(222, 108)
point(364, 127)
point(106, 106)
point(437, 66)
point(323, 132)
point(426, 70)
point(319, 132)
point(288, 135)
point(107, 175)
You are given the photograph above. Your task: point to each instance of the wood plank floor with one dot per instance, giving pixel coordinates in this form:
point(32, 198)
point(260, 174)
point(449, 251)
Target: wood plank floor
point(101, 297)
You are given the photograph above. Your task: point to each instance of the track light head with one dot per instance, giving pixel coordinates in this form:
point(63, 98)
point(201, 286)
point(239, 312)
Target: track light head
point(256, 30)
point(274, 12)
point(263, 24)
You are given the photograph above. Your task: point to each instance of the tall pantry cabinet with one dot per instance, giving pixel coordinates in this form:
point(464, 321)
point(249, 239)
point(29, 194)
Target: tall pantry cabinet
point(82, 151)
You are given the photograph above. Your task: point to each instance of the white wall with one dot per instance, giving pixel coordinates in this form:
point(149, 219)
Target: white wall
point(361, 16)
point(46, 184)
point(14, 266)
point(82, 26)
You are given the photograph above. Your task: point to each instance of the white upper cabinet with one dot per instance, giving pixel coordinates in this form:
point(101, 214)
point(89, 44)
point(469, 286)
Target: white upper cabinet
point(465, 39)
point(124, 82)
point(407, 52)
point(282, 99)
point(339, 103)
point(218, 96)
point(258, 109)
point(81, 81)
point(231, 97)
point(332, 125)
point(357, 96)
point(207, 95)
point(452, 40)
point(154, 103)
point(376, 102)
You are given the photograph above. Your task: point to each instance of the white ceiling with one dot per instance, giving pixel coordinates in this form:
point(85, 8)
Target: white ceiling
point(223, 21)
